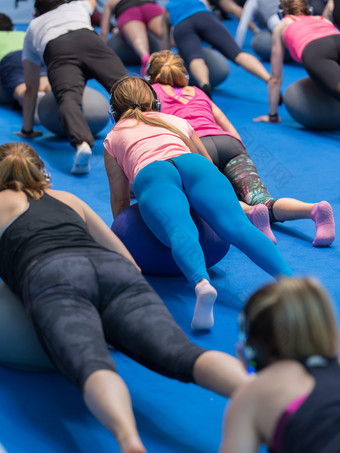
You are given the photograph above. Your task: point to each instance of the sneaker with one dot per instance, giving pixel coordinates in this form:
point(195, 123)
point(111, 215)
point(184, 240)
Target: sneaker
point(81, 165)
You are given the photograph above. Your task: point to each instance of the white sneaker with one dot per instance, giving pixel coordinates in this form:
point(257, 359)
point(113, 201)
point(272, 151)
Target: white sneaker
point(81, 165)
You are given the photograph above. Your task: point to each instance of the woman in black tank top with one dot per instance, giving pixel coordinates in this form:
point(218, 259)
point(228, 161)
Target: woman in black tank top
point(82, 289)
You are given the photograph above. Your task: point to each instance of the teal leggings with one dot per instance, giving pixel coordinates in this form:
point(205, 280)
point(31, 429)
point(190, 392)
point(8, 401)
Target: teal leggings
point(165, 190)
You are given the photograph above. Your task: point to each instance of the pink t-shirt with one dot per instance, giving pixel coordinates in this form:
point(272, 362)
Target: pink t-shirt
point(197, 111)
point(136, 145)
point(304, 30)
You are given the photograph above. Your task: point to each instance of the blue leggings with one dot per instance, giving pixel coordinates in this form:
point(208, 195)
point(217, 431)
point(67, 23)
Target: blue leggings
point(165, 191)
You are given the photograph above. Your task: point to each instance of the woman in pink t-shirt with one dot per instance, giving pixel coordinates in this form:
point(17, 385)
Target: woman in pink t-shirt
point(167, 73)
point(311, 40)
point(171, 170)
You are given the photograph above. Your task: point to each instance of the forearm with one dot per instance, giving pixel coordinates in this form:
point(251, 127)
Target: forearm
point(118, 206)
point(274, 91)
point(28, 108)
point(105, 22)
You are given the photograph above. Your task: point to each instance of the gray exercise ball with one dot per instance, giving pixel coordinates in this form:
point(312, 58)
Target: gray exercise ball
point(312, 107)
point(218, 67)
point(95, 107)
point(126, 53)
point(4, 96)
point(19, 344)
point(262, 46)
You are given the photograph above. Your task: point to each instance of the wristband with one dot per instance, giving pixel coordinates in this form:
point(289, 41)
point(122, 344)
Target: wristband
point(26, 132)
point(273, 117)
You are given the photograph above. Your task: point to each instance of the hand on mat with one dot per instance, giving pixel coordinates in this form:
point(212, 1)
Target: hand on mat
point(266, 119)
point(31, 134)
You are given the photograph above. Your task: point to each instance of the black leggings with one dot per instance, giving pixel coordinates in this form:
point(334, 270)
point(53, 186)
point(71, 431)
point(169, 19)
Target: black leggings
point(71, 60)
point(232, 159)
point(78, 301)
point(204, 26)
point(321, 59)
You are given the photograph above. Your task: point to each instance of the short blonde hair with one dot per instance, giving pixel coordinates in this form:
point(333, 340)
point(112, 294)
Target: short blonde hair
point(292, 319)
point(295, 7)
point(21, 169)
point(167, 68)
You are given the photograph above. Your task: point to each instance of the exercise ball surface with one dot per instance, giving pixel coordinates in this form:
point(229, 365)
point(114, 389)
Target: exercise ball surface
point(95, 108)
point(262, 46)
point(126, 52)
point(218, 67)
point(19, 344)
point(152, 256)
point(312, 107)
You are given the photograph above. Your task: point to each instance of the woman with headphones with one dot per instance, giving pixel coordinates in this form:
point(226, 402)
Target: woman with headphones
point(311, 40)
point(171, 170)
point(168, 76)
point(289, 334)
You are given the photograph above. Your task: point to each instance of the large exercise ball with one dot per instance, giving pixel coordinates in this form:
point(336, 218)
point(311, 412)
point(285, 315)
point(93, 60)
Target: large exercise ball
point(95, 108)
point(5, 98)
point(153, 257)
point(218, 67)
point(262, 46)
point(126, 52)
point(312, 107)
point(19, 344)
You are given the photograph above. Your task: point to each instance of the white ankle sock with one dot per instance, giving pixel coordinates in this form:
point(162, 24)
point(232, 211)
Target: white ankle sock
point(205, 298)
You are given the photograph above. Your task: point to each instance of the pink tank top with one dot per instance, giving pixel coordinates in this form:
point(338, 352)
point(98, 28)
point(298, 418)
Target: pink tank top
point(197, 111)
point(137, 145)
point(304, 30)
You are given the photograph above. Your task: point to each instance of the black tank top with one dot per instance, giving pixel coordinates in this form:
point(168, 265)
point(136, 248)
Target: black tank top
point(47, 226)
point(123, 5)
point(315, 426)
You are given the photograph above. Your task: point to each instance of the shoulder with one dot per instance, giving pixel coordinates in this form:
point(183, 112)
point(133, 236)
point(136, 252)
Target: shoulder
point(69, 199)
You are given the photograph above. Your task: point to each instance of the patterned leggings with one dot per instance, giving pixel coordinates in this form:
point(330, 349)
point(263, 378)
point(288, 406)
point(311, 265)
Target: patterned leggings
point(232, 159)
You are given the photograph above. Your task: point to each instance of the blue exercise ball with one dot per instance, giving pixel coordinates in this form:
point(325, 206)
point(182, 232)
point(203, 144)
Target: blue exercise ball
point(311, 106)
point(95, 107)
point(153, 257)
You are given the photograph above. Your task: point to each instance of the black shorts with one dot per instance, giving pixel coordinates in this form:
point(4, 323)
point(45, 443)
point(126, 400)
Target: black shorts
point(80, 301)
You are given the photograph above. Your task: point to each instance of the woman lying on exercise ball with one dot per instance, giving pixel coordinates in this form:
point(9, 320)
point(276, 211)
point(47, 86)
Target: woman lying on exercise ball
point(82, 289)
point(168, 76)
point(170, 170)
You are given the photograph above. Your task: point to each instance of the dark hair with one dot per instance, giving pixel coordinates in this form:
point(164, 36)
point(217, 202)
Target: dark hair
point(44, 6)
point(5, 23)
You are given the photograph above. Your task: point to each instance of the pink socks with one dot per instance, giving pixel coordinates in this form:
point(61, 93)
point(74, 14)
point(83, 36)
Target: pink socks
point(259, 217)
point(322, 214)
point(205, 298)
point(145, 60)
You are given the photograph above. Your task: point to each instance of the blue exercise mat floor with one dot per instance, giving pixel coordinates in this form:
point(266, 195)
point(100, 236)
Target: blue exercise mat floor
point(45, 413)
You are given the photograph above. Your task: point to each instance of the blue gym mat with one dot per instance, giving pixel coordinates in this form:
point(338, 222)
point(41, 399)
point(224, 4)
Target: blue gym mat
point(45, 413)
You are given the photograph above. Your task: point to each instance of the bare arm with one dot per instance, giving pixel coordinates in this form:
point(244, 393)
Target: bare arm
point(119, 185)
point(239, 431)
point(328, 11)
point(200, 148)
point(275, 81)
point(105, 20)
point(223, 121)
point(32, 80)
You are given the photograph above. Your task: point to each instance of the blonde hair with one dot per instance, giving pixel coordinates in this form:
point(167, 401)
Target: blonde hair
point(21, 169)
point(295, 7)
point(132, 96)
point(292, 319)
point(167, 68)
